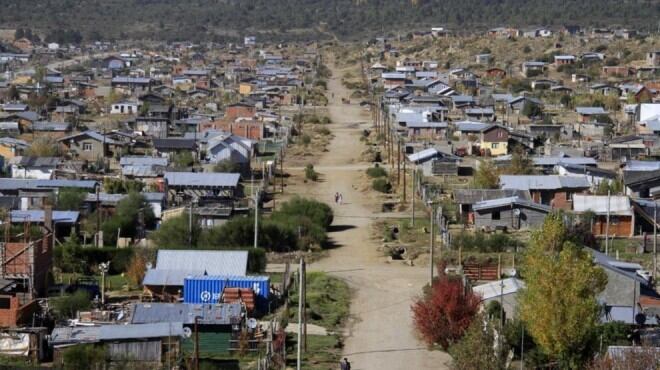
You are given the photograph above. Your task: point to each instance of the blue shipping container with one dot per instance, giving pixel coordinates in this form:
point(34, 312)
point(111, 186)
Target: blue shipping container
point(208, 289)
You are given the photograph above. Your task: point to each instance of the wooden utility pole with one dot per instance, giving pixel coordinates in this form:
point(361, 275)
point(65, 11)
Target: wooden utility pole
point(607, 226)
point(655, 239)
point(404, 180)
point(300, 310)
point(432, 240)
point(398, 163)
point(304, 304)
point(282, 168)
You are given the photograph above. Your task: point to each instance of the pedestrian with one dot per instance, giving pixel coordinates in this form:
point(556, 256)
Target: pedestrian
point(341, 198)
point(336, 198)
point(347, 364)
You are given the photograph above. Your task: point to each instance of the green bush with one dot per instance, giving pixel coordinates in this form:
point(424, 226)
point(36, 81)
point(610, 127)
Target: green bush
point(376, 171)
point(382, 185)
point(310, 173)
point(85, 356)
point(71, 257)
point(67, 307)
point(306, 139)
point(239, 232)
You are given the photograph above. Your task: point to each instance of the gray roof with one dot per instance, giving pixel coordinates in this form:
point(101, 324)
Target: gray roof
point(50, 126)
point(426, 154)
point(142, 161)
point(590, 111)
point(467, 126)
point(509, 202)
point(94, 334)
point(37, 215)
point(131, 80)
point(542, 182)
point(212, 314)
point(35, 161)
point(472, 196)
point(115, 198)
point(92, 134)
point(425, 124)
point(205, 179)
point(553, 161)
point(24, 184)
point(173, 266)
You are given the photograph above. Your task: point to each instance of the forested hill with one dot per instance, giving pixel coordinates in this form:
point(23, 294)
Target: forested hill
point(219, 19)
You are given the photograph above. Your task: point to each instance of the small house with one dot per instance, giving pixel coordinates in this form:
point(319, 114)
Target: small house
point(434, 162)
point(589, 114)
point(621, 215)
point(467, 198)
point(511, 213)
point(553, 190)
point(33, 167)
point(91, 145)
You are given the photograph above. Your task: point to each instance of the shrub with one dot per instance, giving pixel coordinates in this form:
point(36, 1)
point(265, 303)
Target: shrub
point(376, 171)
point(310, 173)
point(67, 307)
point(227, 166)
point(381, 185)
point(85, 356)
point(444, 314)
point(305, 139)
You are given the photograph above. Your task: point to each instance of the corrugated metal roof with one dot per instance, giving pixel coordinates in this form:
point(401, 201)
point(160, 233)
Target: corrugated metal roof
point(472, 196)
point(542, 182)
point(553, 161)
point(590, 110)
point(213, 262)
point(93, 334)
point(210, 314)
point(35, 161)
point(497, 288)
point(37, 215)
point(467, 126)
point(510, 201)
point(618, 204)
point(142, 161)
point(18, 184)
point(206, 179)
point(634, 165)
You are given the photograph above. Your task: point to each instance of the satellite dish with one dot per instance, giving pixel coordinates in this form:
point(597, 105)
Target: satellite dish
point(252, 323)
point(187, 333)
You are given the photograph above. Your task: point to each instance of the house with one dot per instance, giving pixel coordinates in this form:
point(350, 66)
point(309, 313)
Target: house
point(530, 69)
point(621, 215)
point(589, 114)
point(542, 84)
point(166, 279)
point(548, 163)
point(142, 167)
point(495, 72)
point(196, 185)
point(553, 190)
point(564, 59)
point(240, 110)
point(494, 140)
point(501, 291)
point(620, 302)
point(618, 71)
point(151, 345)
point(467, 198)
point(510, 213)
point(228, 147)
point(108, 202)
point(592, 57)
point(393, 79)
point(132, 83)
point(34, 193)
point(653, 58)
point(167, 147)
point(594, 174)
point(157, 127)
point(517, 104)
point(10, 147)
point(628, 147)
point(114, 63)
point(126, 107)
point(642, 183)
point(638, 92)
point(219, 324)
point(605, 89)
point(480, 114)
point(434, 162)
point(33, 167)
point(483, 58)
point(91, 145)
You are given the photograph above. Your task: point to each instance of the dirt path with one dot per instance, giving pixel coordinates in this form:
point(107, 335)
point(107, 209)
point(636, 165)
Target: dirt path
point(380, 334)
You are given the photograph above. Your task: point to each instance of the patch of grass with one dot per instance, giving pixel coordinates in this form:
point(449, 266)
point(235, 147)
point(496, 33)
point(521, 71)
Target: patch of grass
point(328, 301)
point(112, 282)
point(323, 352)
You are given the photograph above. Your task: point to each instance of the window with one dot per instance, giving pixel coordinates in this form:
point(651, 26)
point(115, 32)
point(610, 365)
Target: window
point(87, 147)
point(568, 196)
point(496, 215)
point(5, 303)
point(494, 145)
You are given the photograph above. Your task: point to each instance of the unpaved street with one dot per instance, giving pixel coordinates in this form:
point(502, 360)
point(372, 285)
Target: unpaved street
point(380, 334)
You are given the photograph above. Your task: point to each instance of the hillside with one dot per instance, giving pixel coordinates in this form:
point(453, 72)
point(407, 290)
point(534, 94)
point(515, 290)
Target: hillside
point(307, 19)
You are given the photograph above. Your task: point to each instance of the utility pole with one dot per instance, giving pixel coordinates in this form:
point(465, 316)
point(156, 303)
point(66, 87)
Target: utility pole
point(404, 180)
point(655, 239)
point(196, 344)
point(282, 169)
point(300, 309)
point(256, 218)
point(607, 226)
point(398, 163)
point(304, 304)
point(412, 194)
point(190, 225)
point(432, 240)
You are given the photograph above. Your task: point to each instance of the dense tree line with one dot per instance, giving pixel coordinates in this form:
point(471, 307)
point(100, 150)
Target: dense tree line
point(211, 19)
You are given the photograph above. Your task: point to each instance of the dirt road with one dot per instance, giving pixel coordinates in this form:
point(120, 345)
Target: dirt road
point(380, 334)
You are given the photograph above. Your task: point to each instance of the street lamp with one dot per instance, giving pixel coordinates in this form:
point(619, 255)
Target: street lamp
point(104, 267)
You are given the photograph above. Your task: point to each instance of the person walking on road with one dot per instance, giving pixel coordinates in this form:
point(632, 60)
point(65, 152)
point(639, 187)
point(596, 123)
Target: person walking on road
point(345, 365)
point(341, 198)
point(336, 198)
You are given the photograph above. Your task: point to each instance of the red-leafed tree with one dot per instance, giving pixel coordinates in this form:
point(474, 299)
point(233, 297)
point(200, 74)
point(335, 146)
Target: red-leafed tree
point(444, 314)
